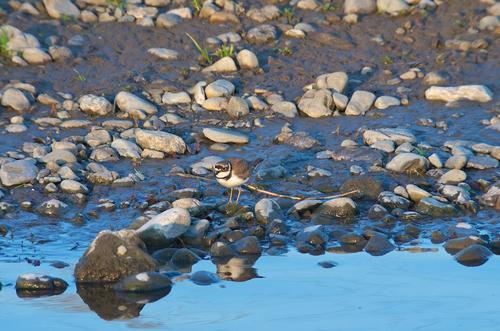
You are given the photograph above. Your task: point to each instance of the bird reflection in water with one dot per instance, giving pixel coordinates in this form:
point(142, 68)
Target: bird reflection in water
point(237, 269)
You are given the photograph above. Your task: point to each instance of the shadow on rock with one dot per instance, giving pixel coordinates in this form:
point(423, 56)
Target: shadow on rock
point(237, 269)
point(109, 304)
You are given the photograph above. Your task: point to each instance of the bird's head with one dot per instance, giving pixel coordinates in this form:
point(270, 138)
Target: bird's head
point(222, 169)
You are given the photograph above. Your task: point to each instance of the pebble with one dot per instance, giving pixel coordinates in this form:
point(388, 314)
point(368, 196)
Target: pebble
point(15, 99)
point(160, 141)
point(316, 103)
point(175, 98)
point(335, 81)
point(226, 64)
point(226, 136)
point(164, 53)
point(95, 105)
point(285, 108)
point(385, 102)
point(360, 103)
point(359, 6)
point(219, 88)
point(478, 93)
point(408, 162)
point(237, 107)
point(128, 102)
point(247, 59)
point(59, 8)
point(453, 177)
point(144, 282)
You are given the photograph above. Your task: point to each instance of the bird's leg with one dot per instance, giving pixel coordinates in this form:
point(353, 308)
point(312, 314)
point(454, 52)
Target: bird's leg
point(231, 195)
point(239, 193)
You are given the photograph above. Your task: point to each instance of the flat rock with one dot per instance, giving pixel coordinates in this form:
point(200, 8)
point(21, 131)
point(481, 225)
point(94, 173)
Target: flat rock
point(164, 227)
point(17, 172)
point(164, 53)
point(129, 102)
point(436, 209)
point(160, 141)
point(226, 136)
point(478, 93)
point(408, 162)
point(60, 8)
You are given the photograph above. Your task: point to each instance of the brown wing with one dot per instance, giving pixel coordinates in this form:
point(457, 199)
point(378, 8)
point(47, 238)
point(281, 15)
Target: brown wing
point(240, 167)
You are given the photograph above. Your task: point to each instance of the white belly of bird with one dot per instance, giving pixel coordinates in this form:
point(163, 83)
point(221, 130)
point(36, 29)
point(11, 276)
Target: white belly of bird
point(234, 181)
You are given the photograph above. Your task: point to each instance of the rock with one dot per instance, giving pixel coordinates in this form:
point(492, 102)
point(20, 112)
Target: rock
point(72, 186)
point(378, 245)
point(168, 20)
point(336, 81)
point(453, 177)
point(432, 207)
point(184, 257)
point(144, 282)
point(340, 101)
point(61, 8)
point(226, 64)
point(52, 208)
point(490, 22)
point(220, 249)
point(226, 136)
point(59, 156)
point(219, 88)
point(15, 99)
point(35, 56)
point(129, 102)
point(390, 200)
point(262, 34)
point(408, 162)
point(385, 102)
point(473, 256)
point(164, 227)
point(247, 59)
point(172, 98)
point(164, 53)
point(113, 256)
point(478, 93)
point(387, 146)
point(29, 285)
point(316, 103)
point(360, 103)
point(285, 108)
point(60, 53)
point(220, 17)
point(17, 172)
point(492, 196)
point(160, 141)
point(416, 193)
point(359, 6)
point(377, 212)
point(456, 161)
point(338, 208)
point(267, 210)
point(482, 162)
point(436, 78)
point(368, 187)
point(215, 104)
point(94, 105)
point(300, 140)
point(127, 149)
point(247, 246)
point(398, 135)
point(455, 245)
point(204, 278)
point(260, 15)
point(392, 7)
point(237, 107)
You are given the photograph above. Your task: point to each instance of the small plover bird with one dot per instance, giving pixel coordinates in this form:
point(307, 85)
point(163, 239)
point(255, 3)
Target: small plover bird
point(234, 172)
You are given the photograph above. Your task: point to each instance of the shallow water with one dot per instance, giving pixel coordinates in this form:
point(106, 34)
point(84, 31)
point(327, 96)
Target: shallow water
point(401, 290)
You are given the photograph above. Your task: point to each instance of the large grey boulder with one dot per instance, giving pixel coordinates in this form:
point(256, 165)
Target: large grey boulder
point(113, 256)
point(18, 172)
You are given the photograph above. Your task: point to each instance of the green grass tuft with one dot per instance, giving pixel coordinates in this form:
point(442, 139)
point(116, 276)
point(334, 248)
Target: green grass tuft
point(202, 50)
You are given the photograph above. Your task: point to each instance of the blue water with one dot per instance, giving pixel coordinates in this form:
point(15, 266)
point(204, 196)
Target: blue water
point(398, 291)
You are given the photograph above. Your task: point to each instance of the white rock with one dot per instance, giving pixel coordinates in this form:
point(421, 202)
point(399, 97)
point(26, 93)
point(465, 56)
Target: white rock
point(72, 186)
point(226, 64)
point(160, 141)
point(17, 172)
point(219, 88)
point(60, 8)
point(129, 102)
point(478, 93)
point(95, 105)
point(359, 6)
point(398, 135)
point(35, 56)
point(285, 108)
point(225, 136)
point(316, 103)
point(170, 224)
point(164, 53)
point(336, 81)
point(360, 103)
point(407, 162)
point(247, 59)
point(392, 7)
point(15, 99)
point(385, 102)
point(175, 98)
point(127, 148)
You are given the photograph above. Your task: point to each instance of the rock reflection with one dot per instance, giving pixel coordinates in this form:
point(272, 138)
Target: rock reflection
point(38, 293)
point(109, 304)
point(237, 269)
